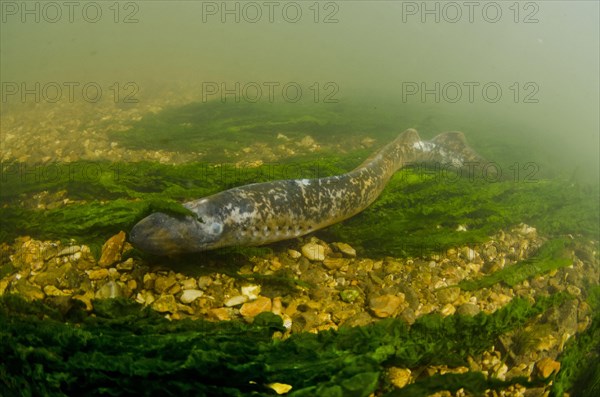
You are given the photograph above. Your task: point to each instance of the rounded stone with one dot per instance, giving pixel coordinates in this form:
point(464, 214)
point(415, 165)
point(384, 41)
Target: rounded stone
point(111, 289)
point(165, 303)
point(236, 300)
point(386, 305)
point(448, 295)
point(190, 295)
point(345, 249)
point(349, 295)
point(252, 309)
point(112, 249)
point(313, 251)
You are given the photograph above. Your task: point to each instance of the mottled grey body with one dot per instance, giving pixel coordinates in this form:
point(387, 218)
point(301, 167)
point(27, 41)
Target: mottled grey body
point(262, 213)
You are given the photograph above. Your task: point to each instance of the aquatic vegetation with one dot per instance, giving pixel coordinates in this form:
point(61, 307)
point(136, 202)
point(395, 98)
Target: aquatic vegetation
point(419, 212)
point(416, 214)
point(65, 351)
point(552, 255)
point(582, 380)
point(215, 128)
point(124, 347)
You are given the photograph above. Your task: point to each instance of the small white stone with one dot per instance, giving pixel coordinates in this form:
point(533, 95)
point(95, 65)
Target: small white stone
point(346, 249)
point(294, 254)
point(287, 322)
point(251, 291)
point(461, 228)
point(313, 251)
point(189, 283)
point(469, 253)
point(190, 295)
point(236, 300)
point(70, 250)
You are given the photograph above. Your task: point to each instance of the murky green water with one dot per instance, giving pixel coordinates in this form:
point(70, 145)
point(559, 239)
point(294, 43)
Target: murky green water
point(115, 110)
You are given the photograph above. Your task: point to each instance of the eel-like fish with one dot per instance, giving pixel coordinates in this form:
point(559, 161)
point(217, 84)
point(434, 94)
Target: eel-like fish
point(262, 213)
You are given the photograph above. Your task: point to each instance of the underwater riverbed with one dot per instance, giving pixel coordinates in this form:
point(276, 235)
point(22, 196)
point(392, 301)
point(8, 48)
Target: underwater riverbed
point(450, 284)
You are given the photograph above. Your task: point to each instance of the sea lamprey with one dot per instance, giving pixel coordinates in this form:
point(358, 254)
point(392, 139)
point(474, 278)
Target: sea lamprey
point(263, 213)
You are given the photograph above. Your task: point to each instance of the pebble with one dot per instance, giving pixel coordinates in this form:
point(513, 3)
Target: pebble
point(251, 291)
point(163, 284)
point(469, 253)
point(145, 297)
point(294, 254)
point(349, 295)
point(313, 251)
point(126, 266)
point(112, 249)
point(204, 282)
point(447, 310)
point(97, 274)
point(448, 295)
point(29, 291)
point(399, 376)
point(190, 295)
point(51, 290)
point(573, 290)
point(165, 303)
point(345, 249)
point(252, 309)
point(86, 298)
point(335, 263)
point(70, 250)
point(526, 230)
point(277, 306)
point(111, 289)
point(189, 283)
point(280, 388)
point(546, 367)
point(221, 313)
point(386, 305)
point(236, 300)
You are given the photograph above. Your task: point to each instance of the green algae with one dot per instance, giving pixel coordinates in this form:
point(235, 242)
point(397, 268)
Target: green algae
point(575, 378)
point(421, 211)
point(213, 128)
point(552, 255)
point(123, 348)
point(416, 214)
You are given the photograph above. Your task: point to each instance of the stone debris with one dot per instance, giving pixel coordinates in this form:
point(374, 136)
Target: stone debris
point(190, 295)
point(345, 249)
point(386, 305)
point(334, 288)
point(399, 377)
point(112, 250)
point(313, 251)
point(252, 309)
point(547, 366)
point(236, 300)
